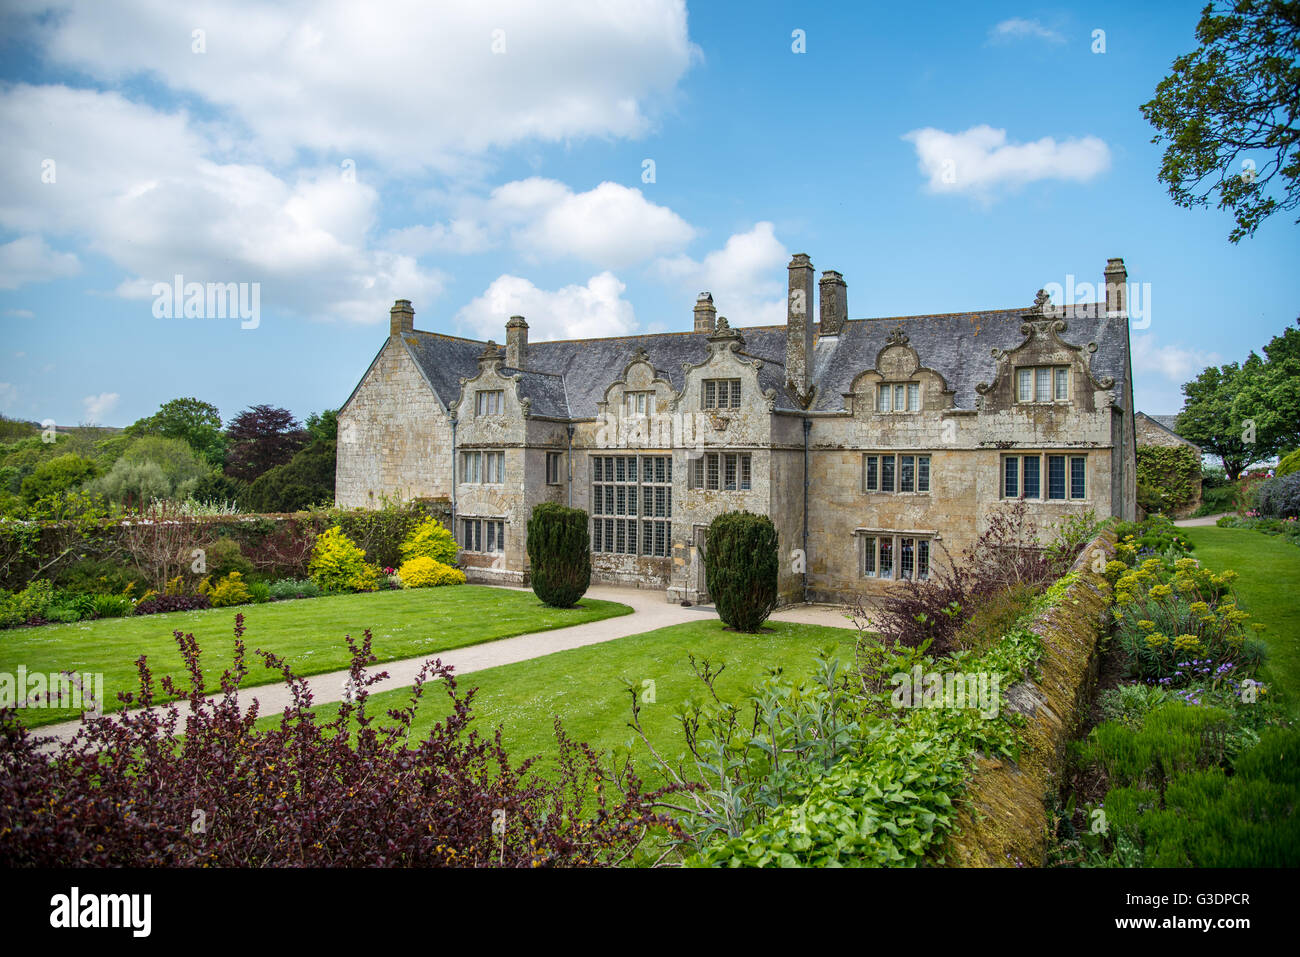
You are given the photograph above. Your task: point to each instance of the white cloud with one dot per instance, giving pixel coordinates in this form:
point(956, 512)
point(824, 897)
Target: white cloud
point(980, 160)
point(746, 277)
point(20, 313)
point(416, 84)
point(1174, 363)
point(98, 406)
point(29, 259)
point(572, 312)
point(1018, 28)
point(8, 395)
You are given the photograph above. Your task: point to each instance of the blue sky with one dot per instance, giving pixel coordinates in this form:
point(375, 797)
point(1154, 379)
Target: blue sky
point(492, 160)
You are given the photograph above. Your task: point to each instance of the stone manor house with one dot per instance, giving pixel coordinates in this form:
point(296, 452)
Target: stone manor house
point(873, 444)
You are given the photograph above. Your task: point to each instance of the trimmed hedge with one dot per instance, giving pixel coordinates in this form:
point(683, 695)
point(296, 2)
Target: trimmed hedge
point(559, 554)
point(741, 562)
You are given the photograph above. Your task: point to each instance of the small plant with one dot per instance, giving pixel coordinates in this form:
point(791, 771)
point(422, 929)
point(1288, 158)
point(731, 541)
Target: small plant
point(430, 539)
point(112, 606)
point(231, 590)
point(287, 588)
point(559, 554)
point(339, 565)
point(259, 592)
point(741, 566)
point(157, 604)
point(424, 572)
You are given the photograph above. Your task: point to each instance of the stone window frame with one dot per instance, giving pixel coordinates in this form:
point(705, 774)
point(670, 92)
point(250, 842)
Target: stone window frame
point(711, 394)
point(643, 525)
point(1058, 384)
point(897, 472)
point(554, 470)
point(489, 402)
point(870, 544)
point(708, 471)
point(910, 388)
point(645, 398)
point(1044, 476)
point(478, 529)
point(482, 458)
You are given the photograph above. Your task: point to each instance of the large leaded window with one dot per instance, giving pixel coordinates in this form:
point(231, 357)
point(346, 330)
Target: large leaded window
point(725, 471)
point(898, 556)
point(1045, 477)
point(895, 473)
point(632, 504)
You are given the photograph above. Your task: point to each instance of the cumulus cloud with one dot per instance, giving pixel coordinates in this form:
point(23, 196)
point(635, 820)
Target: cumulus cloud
point(98, 406)
point(980, 161)
point(415, 84)
point(1019, 28)
point(746, 276)
point(1171, 362)
point(572, 312)
point(29, 259)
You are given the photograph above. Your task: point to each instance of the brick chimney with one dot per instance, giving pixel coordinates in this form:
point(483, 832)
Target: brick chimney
point(1116, 288)
point(706, 315)
point(516, 342)
point(834, 293)
point(401, 318)
point(799, 324)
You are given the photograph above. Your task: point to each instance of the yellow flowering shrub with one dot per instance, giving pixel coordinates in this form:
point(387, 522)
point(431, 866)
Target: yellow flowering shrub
point(338, 564)
point(424, 572)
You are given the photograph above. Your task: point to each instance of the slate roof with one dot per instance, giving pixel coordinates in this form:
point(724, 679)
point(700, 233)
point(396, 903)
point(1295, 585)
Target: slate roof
point(565, 379)
point(1167, 422)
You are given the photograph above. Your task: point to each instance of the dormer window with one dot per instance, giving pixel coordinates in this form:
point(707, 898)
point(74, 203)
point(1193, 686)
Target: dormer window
point(721, 393)
point(1043, 384)
point(638, 403)
point(489, 402)
point(898, 397)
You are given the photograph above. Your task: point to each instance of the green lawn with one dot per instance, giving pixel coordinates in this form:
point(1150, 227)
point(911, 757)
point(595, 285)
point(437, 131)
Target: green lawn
point(586, 686)
point(1269, 588)
point(308, 632)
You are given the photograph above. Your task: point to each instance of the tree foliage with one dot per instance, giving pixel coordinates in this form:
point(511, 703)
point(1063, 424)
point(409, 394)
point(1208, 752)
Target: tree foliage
point(741, 563)
point(1229, 113)
point(559, 554)
point(191, 420)
point(260, 438)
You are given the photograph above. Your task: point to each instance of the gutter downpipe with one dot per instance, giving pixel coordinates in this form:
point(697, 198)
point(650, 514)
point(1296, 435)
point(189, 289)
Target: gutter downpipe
point(807, 429)
point(453, 473)
point(568, 461)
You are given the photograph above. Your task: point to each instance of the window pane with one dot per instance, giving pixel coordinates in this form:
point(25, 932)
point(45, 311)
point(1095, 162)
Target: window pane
point(899, 401)
point(873, 473)
point(744, 472)
point(882, 398)
point(1056, 476)
point(697, 473)
point(886, 558)
point(1062, 383)
point(869, 556)
point(1023, 387)
point(886, 473)
point(923, 559)
point(1032, 467)
point(1077, 488)
point(913, 397)
point(923, 473)
point(735, 393)
point(729, 472)
point(907, 473)
point(712, 467)
point(906, 557)
point(1011, 477)
point(1042, 385)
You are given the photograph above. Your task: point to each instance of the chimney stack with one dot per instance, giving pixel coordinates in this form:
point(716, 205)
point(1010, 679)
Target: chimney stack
point(1116, 288)
point(516, 342)
point(401, 318)
point(834, 302)
point(799, 324)
point(706, 314)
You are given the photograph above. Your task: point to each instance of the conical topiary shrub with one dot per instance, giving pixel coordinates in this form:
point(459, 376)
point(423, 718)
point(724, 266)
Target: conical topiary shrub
point(740, 568)
point(559, 554)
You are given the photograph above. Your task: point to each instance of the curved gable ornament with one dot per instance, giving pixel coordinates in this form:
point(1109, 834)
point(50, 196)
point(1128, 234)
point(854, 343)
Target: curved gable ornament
point(1040, 324)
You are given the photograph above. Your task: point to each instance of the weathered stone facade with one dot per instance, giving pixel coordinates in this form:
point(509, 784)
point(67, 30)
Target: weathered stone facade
point(874, 444)
point(1158, 430)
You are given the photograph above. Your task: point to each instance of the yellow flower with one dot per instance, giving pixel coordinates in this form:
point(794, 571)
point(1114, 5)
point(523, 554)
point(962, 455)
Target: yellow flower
point(1160, 591)
point(1146, 625)
point(1157, 640)
point(1199, 607)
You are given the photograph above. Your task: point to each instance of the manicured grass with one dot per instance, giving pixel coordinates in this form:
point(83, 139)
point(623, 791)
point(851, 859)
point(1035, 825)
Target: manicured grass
point(1269, 588)
point(586, 687)
point(309, 633)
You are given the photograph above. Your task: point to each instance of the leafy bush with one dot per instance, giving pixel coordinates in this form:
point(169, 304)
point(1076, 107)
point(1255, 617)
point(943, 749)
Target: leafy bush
point(1288, 464)
point(1168, 477)
point(995, 616)
point(307, 792)
point(559, 554)
point(100, 576)
point(1129, 704)
point(741, 564)
point(58, 474)
point(112, 606)
point(259, 592)
point(424, 572)
point(1288, 528)
point(338, 565)
point(1279, 497)
point(289, 588)
point(1154, 535)
point(305, 481)
point(156, 604)
point(430, 539)
point(17, 608)
point(223, 557)
point(230, 590)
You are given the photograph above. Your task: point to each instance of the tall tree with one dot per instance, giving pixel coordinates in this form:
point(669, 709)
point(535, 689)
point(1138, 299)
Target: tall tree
point(1208, 418)
point(192, 421)
point(1229, 113)
point(260, 438)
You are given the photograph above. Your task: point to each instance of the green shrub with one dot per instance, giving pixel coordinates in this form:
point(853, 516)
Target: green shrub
point(230, 590)
point(1167, 477)
point(559, 554)
point(64, 613)
point(112, 606)
point(259, 592)
point(430, 539)
point(287, 588)
point(1174, 738)
point(339, 565)
point(223, 557)
point(741, 563)
point(1279, 497)
point(995, 617)
point(33, 601)
point(1288, 464)
point(58, 474)
point(424, 572)
point(100, 576)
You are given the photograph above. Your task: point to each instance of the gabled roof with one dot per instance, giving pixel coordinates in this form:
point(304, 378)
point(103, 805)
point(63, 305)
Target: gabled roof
point(1167, 422)
point(567, 378)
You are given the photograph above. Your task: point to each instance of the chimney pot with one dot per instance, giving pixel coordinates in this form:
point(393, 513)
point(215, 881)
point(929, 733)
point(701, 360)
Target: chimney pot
point(1116, 287)
point(834, 302)
point(516, 342)
point(706, 314)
